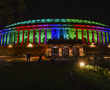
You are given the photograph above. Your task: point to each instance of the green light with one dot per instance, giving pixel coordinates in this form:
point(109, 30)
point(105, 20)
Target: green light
point(56, 21)
point(12, 38)
point(48, 34)
point(69, 20)
point(79, 34)
point(90, 36)
point(70, 31)
point(95, 36)
point(8, 38)
point(42, 35)
point(25, 36)
point(107, 36)
point(74, 33)
point(42, 20)
point(20, 36)
point(4, 37)
point(63, 20)
point(16, 33)
point(104, 36)
point(33, 21)
point(100, 37)
point(37, 36)
point(31, 36)
point(49, 20)
point(38, 20)
point(85, 21)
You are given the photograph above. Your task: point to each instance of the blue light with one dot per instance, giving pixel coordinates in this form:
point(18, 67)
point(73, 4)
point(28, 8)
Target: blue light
point(2, 38)
point(9, 37)
point(6, 38)
point(105, 37)
point(109, 36)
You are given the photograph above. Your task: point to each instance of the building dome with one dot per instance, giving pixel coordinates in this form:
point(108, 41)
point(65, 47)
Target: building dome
point(40, 31)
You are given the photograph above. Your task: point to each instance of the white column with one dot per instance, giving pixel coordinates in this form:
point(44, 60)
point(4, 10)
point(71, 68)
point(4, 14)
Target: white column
point(60, 51)
point(81, 51)
point(70, 52)
point(49, 51)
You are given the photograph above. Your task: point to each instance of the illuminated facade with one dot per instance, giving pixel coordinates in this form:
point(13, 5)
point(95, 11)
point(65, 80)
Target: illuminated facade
point(41, 30)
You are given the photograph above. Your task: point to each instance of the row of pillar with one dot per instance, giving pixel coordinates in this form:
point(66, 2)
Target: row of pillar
point(70, 52)
point(5, 39)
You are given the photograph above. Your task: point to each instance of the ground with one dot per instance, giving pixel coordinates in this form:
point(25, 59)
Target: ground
point(60, 75)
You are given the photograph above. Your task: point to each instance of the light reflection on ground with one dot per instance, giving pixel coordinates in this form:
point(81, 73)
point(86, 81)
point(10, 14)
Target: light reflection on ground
point(19, 58)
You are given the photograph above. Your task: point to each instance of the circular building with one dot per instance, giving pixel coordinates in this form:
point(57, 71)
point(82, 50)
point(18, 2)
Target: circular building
point(39, 31)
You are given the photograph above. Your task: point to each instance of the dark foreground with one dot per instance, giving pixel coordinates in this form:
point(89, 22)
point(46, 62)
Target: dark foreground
point(45, 76)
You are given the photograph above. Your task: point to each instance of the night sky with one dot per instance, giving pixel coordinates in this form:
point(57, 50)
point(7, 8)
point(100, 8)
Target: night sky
point(83, 9)
point(92, 10)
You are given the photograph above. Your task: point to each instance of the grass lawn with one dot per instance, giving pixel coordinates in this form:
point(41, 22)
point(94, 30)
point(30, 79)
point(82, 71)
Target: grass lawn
point(60, 75)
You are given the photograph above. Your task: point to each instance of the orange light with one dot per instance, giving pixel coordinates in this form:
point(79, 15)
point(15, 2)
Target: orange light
point(92, 45)
point(10, 46)
point(30, 45)
point(109, 46)
point(82, 64)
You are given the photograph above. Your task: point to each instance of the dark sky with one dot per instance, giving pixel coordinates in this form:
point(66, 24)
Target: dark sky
point(93, 10)
point(83, 9)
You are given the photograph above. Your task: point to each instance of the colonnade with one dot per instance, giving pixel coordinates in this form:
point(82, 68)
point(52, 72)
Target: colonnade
point(61, 51)
point(43, 35)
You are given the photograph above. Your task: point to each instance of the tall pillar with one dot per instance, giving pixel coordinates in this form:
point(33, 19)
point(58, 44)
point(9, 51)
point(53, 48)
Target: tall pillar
point(81, 51)
point(60, 51)
point(102, 38)
point(22, 39)
point(9, 37)
point(45, 37)
point(49, 51)
point(14, 37)
point(2, 38)
point(83, 35)
point(28, 37)
point(93, 36)
point(6, 38)
point(88, 37)
point(34, 36)
point(76, 34)
point(39, 36)
point(98, 41)
point(18, 38)
point(109, 36)
point(70, 52)
point(105, 37)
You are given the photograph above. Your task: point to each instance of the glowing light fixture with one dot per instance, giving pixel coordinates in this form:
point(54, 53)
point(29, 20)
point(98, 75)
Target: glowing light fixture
point(108, 46)
point(10, 46)
point(82, 64)
point(30, 45)
point(92, 45)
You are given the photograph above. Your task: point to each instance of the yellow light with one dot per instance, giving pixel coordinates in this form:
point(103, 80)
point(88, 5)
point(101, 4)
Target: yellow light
point(109, 46)
point(10, 46)
point(29, 45)
point(92, 45)
point(82, 64)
